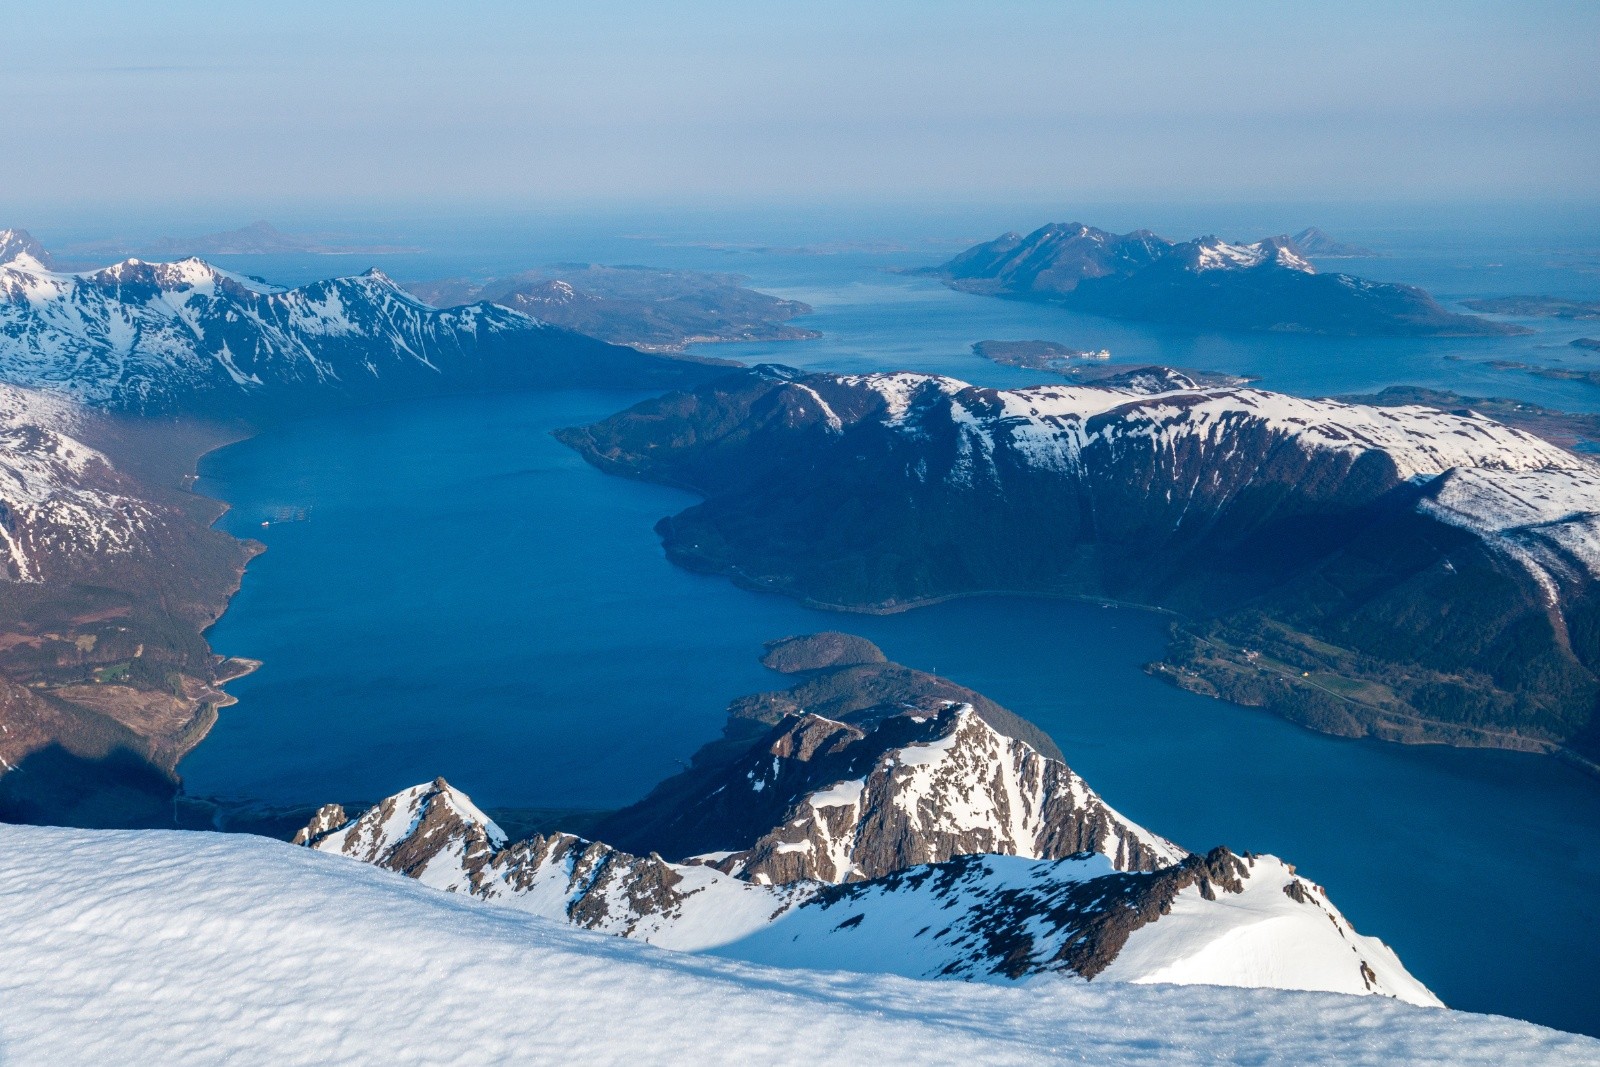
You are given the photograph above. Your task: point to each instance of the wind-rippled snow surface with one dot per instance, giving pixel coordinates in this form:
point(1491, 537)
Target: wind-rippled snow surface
point(162, 947)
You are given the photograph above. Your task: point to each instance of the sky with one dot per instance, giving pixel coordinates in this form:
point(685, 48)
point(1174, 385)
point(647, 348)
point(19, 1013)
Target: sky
point(605, 101)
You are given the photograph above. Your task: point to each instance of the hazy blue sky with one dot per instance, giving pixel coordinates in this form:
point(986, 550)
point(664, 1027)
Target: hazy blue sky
point(507, 103)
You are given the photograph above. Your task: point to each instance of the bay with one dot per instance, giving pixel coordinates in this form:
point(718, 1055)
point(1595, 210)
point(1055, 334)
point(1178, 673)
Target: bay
point(448, 591)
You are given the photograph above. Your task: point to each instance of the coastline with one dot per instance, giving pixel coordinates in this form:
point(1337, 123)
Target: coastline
point(1376, 722)
point(96, 738)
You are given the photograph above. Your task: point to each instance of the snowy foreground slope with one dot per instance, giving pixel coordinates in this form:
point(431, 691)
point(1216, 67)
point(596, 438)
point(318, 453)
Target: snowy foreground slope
point(147, 947)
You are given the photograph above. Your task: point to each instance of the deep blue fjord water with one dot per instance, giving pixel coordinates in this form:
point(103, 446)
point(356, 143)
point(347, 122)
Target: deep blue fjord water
point(448, 591)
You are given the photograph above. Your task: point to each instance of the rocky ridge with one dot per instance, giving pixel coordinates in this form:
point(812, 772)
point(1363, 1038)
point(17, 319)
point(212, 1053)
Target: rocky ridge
point(1218, 918)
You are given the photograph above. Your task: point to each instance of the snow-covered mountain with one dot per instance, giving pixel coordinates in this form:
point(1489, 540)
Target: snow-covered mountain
point(1350, 523)
point(154, 337)
point(1207, 283)
point(910, 836)
point(156, 947)
point(860, 799)
point(1218, 919)
point(15, 244)
point(61, 501)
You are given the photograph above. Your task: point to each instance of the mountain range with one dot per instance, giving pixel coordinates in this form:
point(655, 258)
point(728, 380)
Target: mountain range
point(1398, 571)
point(910, 835)
point(110, 569)
point(189, 337)
point(1205, 283)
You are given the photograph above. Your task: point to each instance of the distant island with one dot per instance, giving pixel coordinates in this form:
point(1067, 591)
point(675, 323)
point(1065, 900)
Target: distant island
point(1558, 374)
point(1035, 355)
point(259, 238)
point(1536, 307)
point(1318, 244)
point(651, 310)
point(1205, 283)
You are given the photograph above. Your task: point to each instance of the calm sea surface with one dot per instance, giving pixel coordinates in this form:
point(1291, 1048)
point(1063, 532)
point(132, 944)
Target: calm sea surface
point(448, 591)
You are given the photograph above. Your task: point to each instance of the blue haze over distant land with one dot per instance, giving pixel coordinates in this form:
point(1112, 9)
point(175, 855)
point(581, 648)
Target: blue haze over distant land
point(251, 108)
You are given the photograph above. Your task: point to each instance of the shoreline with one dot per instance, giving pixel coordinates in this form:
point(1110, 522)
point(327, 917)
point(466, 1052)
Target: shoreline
point(1381, 727)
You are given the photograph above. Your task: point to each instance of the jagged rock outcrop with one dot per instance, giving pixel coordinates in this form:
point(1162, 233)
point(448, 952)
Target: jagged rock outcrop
point(914, 839)
point(1323, 535)
point(1207, 283)
point(435, 834)
point(917, 790)
point(1216, 919)
point(783, 753)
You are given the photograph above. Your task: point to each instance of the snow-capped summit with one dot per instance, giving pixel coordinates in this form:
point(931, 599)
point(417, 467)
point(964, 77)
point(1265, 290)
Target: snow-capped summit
point(1213, 253)
point(187, 335)
point(1218, 919)
point(908, 835)
point(20, 245)
point(865, 800)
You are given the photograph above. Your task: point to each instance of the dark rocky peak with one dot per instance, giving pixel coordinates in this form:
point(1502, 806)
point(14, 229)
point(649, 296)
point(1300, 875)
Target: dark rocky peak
point(862, 769)
point(1056, 257)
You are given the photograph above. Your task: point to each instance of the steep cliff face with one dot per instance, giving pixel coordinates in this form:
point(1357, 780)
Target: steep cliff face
point(187, 336)
point(1347, 523)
